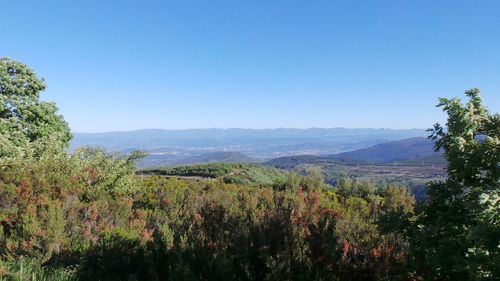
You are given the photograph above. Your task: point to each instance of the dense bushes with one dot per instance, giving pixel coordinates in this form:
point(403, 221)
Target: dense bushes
point(87, 214)
point(456, 234)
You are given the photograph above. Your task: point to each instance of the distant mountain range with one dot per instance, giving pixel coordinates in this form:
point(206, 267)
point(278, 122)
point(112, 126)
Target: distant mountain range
point(407, 152)
point(257, 143)
point(393, 151)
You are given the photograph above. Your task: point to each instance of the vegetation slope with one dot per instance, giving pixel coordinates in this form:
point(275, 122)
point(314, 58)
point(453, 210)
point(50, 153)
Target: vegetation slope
point(229, 172)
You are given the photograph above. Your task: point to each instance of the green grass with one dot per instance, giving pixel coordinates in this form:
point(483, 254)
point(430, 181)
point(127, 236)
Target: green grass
point(22, 269)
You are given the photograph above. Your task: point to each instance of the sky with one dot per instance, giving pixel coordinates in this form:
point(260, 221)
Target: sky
point(127, 65)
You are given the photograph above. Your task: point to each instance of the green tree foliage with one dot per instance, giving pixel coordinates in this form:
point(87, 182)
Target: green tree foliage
point(23, 116)
point(457, 233)
point(209, 170)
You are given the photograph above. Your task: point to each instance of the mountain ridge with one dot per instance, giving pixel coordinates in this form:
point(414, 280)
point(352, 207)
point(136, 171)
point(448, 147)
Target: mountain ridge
point(393, 151)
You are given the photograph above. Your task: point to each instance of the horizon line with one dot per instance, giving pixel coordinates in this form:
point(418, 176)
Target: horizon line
point(240, 128)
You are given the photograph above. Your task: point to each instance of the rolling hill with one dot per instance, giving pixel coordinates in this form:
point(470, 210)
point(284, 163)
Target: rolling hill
point(156, 160)
point(230, 172)
point(393, 151)
point(290, 162)
point(436, 159)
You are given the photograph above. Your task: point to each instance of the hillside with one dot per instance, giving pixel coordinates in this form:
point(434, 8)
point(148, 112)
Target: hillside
point(413, 173)
point(156, 160)
point(236, 172)
point(393, 151)
point(290, 162)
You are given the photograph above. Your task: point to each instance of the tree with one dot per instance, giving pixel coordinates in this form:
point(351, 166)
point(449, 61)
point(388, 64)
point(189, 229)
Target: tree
point(457, 233)
point(24, 117)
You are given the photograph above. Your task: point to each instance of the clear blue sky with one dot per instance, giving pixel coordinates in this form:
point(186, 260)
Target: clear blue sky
point(124, 65)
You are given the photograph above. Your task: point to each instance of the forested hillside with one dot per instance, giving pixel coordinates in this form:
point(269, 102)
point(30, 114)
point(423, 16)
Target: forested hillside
point(86, 215)
point(289, 162)
point(237, 172)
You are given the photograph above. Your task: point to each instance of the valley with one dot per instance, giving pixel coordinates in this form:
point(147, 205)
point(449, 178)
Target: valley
point(424, 165)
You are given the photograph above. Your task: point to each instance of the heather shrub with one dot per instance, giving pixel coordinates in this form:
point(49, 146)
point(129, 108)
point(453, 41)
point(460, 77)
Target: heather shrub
point(88, 214)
